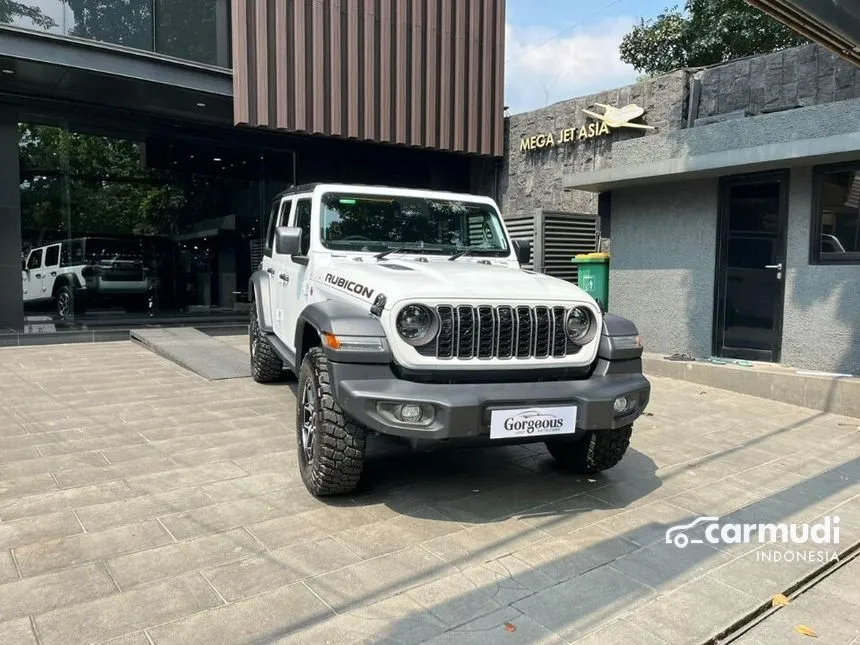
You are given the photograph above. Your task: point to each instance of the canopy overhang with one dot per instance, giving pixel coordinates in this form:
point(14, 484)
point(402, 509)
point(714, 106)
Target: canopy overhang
point(834, 24)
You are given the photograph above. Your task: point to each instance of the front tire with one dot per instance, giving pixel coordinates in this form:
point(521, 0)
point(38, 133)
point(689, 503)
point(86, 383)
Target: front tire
point(596, 451)
point(266, 365)
point(66, 307)
point(330, 443)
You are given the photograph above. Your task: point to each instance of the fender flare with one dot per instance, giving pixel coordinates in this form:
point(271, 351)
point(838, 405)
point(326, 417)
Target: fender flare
point(341, 319)
point(614, 339)
point(258, 285)
point(71, 279)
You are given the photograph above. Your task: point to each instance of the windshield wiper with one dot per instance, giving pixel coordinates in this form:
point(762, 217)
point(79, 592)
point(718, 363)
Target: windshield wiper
point(469, 250)
point(398, 249)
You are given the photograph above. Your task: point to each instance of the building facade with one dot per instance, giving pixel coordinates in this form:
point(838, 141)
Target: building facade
point(729, 203)
point(142, 141)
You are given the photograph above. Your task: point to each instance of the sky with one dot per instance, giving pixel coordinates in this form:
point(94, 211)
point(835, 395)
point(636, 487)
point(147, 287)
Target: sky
point(560, 49)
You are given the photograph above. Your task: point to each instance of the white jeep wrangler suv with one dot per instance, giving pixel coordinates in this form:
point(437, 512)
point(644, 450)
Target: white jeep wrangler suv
point(405, 312)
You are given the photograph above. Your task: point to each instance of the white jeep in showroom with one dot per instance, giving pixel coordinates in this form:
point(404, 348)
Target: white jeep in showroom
point(406, 312)
point(70, 274)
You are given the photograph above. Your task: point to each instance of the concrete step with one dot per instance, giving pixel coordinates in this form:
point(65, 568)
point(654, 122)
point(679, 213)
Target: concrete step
point(837, 394)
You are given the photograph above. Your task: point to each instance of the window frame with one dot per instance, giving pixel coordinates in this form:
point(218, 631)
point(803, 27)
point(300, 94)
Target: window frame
point(816, 257)
point(58, 247)
point(40, 253)
point(300, 199)
point(274, 213)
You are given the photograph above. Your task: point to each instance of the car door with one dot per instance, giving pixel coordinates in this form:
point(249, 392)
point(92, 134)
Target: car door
point(279, 277)
point(51, 267)
point(33, 276)
point(295, 267)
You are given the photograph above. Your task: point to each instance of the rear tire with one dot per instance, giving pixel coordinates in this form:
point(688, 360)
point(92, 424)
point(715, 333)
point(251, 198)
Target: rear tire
point(330, 443)
point(266, 365)
point(596, 451)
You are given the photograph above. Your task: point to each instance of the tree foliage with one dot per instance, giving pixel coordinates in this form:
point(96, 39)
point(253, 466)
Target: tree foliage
point(10, 11)
point(704, 33)
point(183, 28)
point(77, 184)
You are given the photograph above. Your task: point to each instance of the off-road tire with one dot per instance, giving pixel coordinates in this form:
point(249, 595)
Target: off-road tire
point(338, 441)
point(266, 365)
point(596, 451)
point(65, 305)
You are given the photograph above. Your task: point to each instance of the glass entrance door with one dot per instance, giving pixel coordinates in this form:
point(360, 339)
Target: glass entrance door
point(751, 267)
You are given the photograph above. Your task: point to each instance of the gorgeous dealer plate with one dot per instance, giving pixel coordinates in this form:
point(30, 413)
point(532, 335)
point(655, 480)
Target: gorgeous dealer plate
point(532, 422)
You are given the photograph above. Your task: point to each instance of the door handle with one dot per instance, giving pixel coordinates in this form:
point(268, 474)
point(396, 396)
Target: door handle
point(271, 270)
point(284, 277)
point(778, 267)
point(38, 275)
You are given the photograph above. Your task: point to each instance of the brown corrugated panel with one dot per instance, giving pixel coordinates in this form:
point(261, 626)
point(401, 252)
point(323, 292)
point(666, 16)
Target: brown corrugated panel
point(371, 71)
point(426, 73)
point(416, 96)
point(431, 84)
point(352, 47)
point(337, 83)
point(486, 79)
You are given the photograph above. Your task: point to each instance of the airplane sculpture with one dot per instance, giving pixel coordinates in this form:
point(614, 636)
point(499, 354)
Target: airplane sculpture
point(620, 117)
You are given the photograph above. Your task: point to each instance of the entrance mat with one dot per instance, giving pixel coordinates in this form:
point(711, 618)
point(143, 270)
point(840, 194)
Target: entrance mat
point(195, 351)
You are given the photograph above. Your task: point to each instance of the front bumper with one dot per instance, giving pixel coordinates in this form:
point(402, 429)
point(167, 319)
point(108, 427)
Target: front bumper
point(463, 411)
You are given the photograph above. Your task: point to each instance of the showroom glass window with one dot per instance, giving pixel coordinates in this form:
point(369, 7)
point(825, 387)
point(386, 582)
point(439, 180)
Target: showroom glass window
point(196, 30)
point(143, 227)
point(836, 215)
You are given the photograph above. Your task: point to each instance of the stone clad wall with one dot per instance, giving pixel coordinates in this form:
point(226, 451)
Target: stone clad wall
point(532, 179)
point(797, 77)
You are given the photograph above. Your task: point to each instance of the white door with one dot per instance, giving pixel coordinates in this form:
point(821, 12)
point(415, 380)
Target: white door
point(33, 276)
point(50, 269)
point(294, 268)
point(277, 279)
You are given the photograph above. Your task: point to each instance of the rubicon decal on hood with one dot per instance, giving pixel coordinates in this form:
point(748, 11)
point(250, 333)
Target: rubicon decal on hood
point(349, 285)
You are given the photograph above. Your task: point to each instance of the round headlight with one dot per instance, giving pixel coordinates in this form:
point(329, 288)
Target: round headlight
point(416, 324)
point(579, 324)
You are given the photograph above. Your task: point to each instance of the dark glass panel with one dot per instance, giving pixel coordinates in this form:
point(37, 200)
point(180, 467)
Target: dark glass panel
point(190, 29)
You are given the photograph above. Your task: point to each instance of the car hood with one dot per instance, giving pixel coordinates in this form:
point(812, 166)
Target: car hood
point(461, 280)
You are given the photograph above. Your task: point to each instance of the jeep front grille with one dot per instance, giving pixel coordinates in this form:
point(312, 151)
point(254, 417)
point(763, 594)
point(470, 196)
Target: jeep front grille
point(485, 331)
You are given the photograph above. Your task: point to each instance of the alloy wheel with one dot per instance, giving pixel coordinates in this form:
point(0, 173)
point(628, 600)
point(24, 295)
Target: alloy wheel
point(309, 413)
point(63, 304)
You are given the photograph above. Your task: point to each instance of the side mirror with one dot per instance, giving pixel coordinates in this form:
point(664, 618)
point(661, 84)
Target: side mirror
point(523, 249)
point(288, 240)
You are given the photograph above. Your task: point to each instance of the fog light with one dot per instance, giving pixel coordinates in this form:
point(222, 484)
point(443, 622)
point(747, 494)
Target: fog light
point(416, 414)
point(620, 405)
point(410, 413)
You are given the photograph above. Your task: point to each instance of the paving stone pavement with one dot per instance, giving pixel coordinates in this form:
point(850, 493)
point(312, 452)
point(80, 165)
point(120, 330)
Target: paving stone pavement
point(831, 609)
point(140, 503)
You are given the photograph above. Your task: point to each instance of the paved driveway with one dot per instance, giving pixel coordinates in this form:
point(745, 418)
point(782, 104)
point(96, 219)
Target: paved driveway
point(140, 502)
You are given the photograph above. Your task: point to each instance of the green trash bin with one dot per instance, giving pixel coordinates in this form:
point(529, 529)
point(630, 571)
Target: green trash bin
point(593, 276)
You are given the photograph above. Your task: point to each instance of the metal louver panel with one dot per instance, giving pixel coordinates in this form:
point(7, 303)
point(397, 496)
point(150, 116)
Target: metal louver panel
point(256, 252)
point(556, 237)
point(522, 227)
point(565, 235)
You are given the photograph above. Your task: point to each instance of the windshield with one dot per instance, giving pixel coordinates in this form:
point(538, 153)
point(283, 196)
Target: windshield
point(352, 222)
point(111, 250)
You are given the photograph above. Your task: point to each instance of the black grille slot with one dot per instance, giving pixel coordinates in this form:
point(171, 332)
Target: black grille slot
point(505, 342)
point(486, 332)
point(466, 332)
point(542, 332)
point(524, 332)
point(559, 336)
point(445, 342)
